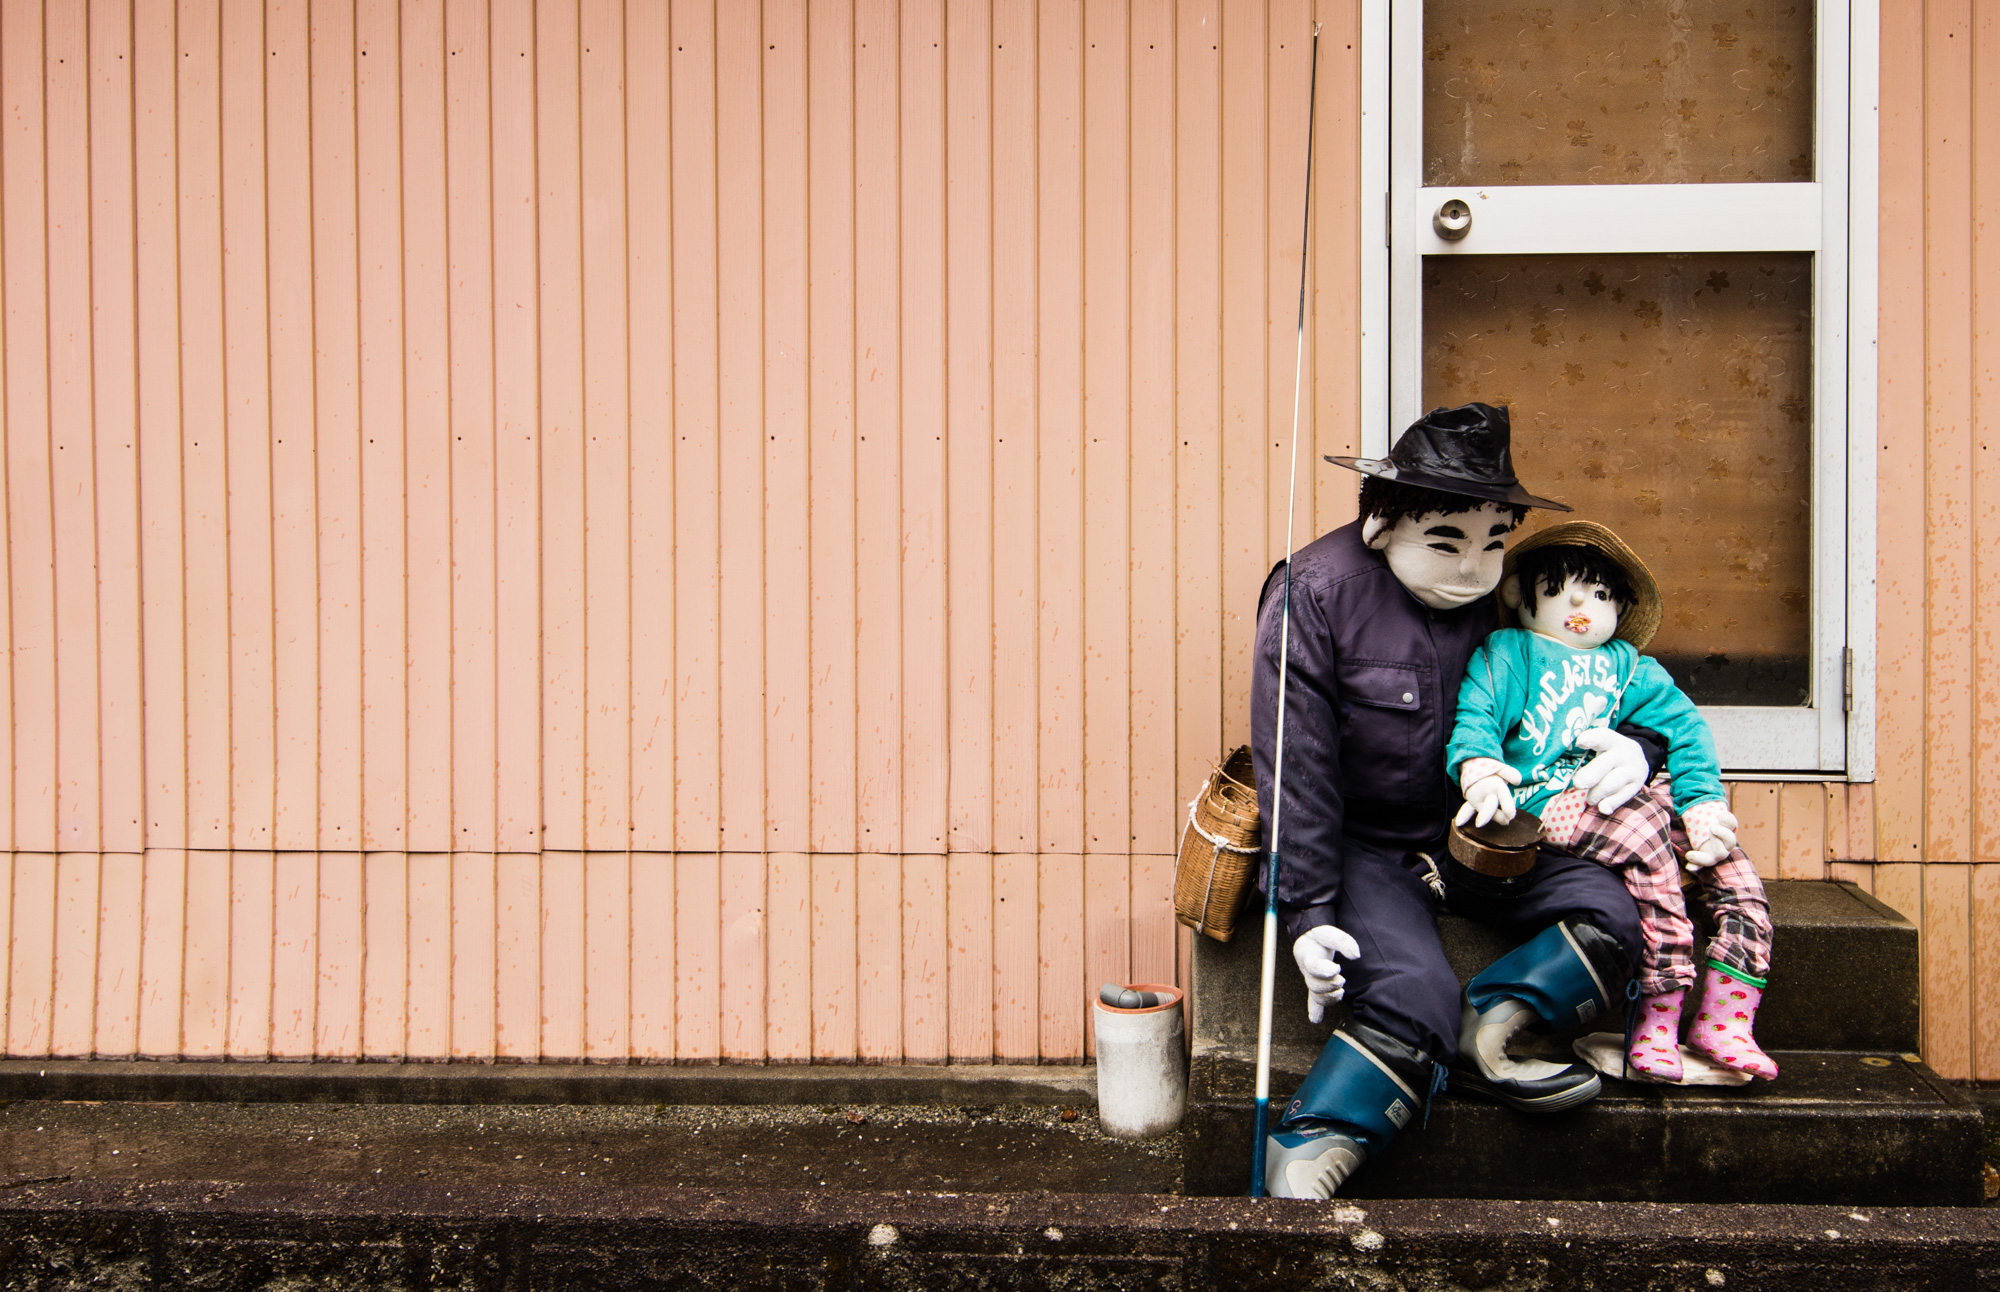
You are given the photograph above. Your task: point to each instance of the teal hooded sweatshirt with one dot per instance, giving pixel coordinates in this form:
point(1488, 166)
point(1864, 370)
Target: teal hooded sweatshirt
point(1526, 698)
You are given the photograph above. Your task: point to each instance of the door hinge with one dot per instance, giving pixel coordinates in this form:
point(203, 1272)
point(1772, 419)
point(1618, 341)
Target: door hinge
point(1847, 680)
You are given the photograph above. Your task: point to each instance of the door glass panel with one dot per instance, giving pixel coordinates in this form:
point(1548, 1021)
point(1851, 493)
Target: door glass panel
point(1618, 92)
point(1669, 397)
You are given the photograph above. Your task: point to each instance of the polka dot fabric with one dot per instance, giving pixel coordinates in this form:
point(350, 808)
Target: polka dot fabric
point(1562, 816)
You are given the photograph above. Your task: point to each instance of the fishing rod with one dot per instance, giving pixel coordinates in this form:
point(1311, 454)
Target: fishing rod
point(1284, 670)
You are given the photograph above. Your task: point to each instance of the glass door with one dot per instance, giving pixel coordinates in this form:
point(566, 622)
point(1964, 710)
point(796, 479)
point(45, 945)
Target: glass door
point(1626, 221)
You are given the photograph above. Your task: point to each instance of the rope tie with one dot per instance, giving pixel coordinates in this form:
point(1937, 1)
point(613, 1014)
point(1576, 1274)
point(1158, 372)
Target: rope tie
point(1214, 839)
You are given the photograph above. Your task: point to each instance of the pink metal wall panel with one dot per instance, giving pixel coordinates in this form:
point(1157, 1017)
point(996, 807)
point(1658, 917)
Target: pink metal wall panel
point(384, 605)
point(607, 458)
point(336, 412)
point(832, 351)
point(968, 440)
point(72, 439)
point(30, 520)
point(246, 375)
point(428, 499)
point(787, 485)
point(472, 424)
point(816, 456)
point(697, 719)
point(740, 365)
point(649, 246)
point(294, 502)
point(517, 706)
point(559, 238)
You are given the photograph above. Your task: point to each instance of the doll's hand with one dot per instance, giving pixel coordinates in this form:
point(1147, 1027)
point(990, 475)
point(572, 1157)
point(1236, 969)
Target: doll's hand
point(1487, 786)
point(1711, 830)
point(1315, 951)
point(1610, 780)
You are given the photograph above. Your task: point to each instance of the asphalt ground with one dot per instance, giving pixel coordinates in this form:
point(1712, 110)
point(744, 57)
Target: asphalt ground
point(920, 1148)
point(856, 1147)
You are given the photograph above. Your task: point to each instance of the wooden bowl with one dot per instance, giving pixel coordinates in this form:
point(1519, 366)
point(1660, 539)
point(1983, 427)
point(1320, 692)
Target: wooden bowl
point(1501, 851)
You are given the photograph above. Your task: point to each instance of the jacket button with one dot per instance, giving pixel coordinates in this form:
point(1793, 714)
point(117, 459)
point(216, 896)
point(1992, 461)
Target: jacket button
point(1409, 697)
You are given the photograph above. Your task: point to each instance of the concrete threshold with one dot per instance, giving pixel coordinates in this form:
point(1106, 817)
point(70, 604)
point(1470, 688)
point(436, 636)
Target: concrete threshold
point(188, 1234)
point(545, 1083)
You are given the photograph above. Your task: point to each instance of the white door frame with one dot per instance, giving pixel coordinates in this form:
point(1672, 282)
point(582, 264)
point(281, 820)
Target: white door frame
point(1834, 217)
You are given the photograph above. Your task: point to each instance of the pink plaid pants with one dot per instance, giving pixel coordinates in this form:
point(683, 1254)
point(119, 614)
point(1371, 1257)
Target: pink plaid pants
point(1643, 842)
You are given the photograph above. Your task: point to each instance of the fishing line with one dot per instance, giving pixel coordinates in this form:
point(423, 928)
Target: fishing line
point(1270, 967)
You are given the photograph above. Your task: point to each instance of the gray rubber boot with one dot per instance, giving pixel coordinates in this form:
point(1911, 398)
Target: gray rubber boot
point(1310, 1163)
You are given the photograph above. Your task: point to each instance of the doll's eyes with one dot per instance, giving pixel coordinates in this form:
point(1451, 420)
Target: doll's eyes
point(1601, 594)
point(1444, 547)
point(1495, 546)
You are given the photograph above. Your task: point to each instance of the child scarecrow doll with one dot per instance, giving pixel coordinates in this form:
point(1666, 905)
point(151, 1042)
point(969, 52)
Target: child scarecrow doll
point(1587, 605)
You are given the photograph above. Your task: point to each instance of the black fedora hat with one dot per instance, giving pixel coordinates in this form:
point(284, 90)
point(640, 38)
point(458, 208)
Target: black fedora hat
point(1460, 450)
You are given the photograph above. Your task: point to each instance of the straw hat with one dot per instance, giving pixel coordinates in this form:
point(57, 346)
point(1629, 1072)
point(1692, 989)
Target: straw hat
point(1642, 619)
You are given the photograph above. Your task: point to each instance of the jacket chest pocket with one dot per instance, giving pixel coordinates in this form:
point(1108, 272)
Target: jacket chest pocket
point(1385, 729)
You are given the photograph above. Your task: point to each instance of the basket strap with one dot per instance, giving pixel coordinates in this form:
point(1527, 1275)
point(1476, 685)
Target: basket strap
point(1207, 891)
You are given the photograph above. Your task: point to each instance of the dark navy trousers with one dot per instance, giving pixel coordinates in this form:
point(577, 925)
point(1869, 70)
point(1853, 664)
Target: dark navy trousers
point(1402, 983)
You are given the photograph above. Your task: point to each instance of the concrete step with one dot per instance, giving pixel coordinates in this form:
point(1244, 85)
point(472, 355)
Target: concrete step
point(1836, 1127)
point(1855, 1118)
point(222, 1234)
point(1844, 975)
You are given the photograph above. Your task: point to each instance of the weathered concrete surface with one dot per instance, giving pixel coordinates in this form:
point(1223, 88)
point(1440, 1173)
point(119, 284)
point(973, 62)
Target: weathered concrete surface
point(511, 1239)
point(1835, 1128)
point(1009, 1148)
point(548, 1083)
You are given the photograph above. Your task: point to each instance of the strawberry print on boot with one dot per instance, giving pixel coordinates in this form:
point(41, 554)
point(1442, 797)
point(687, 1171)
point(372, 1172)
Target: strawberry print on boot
point(1723, 1020)
point(1656, 1042)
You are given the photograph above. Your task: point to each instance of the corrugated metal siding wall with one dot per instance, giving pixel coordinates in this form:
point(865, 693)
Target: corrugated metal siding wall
point(705, 532)
point(1938, 633)
point(625, 530)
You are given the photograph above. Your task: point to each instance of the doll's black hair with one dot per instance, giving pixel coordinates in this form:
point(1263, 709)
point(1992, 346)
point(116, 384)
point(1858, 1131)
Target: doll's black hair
point(1545, 570)
point(1392, 500)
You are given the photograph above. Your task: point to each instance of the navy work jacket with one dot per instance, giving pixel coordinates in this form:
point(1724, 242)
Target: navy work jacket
point(1371, 697)
point(1372, 691)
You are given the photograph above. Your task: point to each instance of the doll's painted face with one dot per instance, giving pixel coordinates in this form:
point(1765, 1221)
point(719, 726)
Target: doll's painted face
point(1446, 559)
point(1582, 615)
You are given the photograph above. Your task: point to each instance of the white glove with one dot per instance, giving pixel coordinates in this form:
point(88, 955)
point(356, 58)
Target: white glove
point(1610, 780)
point(1315, 951)
point(1711, 829)
point(1488, 796)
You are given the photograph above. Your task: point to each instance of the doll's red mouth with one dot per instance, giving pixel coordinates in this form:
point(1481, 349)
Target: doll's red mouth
point(1578, 623)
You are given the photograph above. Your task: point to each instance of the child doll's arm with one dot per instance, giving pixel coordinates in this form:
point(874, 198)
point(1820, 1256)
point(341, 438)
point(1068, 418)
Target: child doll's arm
point(1473, 755)
point(1488, 702)
point(1653, 700)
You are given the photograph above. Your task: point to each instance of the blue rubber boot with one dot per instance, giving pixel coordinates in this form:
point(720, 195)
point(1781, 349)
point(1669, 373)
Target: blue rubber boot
point(1566, 976)
point(1360, 1092)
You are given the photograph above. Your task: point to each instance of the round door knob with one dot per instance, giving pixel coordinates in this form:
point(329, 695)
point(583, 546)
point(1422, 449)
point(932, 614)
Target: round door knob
point(1453, 220)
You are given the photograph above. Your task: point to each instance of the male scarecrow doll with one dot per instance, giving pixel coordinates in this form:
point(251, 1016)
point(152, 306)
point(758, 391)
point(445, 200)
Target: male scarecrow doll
point(1386, 613)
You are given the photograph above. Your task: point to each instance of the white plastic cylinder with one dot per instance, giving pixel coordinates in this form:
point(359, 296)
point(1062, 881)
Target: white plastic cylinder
point(1141, 1066)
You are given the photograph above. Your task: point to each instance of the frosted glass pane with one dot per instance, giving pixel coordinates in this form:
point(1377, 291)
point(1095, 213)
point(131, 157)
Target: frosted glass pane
point(1669, 397)
point(1618, 92)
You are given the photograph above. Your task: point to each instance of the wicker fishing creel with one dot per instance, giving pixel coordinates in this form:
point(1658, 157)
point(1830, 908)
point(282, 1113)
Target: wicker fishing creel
point(1219, 846)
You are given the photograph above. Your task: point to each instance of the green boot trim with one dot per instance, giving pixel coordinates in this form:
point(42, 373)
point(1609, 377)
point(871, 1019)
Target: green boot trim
point(1738, 975)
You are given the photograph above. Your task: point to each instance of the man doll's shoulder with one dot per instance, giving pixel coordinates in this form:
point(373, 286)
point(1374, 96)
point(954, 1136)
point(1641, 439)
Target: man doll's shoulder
point(1336, 558)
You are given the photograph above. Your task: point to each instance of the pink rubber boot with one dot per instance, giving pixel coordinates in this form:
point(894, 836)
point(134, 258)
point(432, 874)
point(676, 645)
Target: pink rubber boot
point(1723, 1020)
point(1656, 1043)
